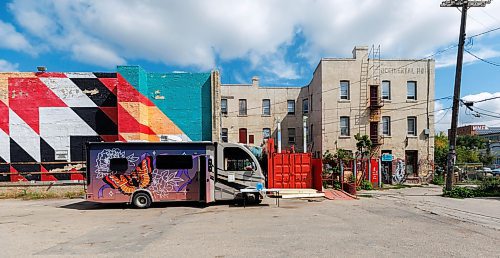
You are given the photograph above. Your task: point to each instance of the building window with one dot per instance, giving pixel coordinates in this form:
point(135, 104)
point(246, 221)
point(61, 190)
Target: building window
point(266, 133)
point(243, 107)
point(251, 139)
point(291, 107)
point(412, 125)
point(386, 125)
point(224, 134)
point(344, 89)
point(266, 107)
point(223, 106)
point(386, 90)
point(344, 126)
point(243, 135)
point(291, 135)
point(411, 90)
point(305, 106)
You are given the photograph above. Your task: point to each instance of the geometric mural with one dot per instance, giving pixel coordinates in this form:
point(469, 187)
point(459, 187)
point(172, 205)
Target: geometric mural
point(46, 118)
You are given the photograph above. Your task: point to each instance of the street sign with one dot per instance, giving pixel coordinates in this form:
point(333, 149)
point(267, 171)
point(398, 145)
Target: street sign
point(386, 157)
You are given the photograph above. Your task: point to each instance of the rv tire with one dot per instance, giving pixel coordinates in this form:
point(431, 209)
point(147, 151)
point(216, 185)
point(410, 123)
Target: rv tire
point(141, 200)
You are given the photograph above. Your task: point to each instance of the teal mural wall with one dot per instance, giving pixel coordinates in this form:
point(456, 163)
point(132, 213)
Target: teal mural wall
point(184, 97)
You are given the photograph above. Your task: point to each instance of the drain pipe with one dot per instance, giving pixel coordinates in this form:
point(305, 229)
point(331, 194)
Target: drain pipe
point(304, 127)
point(279, 135)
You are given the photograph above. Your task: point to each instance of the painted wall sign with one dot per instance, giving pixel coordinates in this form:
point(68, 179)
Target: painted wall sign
point(386, 157)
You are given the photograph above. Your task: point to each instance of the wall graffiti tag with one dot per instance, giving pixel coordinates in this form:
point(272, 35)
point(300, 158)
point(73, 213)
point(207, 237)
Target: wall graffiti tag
point(399, 175)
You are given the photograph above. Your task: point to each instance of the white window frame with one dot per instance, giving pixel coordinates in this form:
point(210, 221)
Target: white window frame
point(411, 131)
point(292, 102)
point(226, 136)
point(344, 127)
point(242, 112)
point(266, 110)
point(346, 96)
point(223, 108)
point(411, 95)
point(388, 123)
point(305, 106)
point(386, 96)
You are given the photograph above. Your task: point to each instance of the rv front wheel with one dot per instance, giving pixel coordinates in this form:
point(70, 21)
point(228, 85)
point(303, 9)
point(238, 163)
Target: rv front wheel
point(141, 200)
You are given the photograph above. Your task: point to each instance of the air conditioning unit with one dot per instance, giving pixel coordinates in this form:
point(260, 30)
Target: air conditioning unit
point(427, 131)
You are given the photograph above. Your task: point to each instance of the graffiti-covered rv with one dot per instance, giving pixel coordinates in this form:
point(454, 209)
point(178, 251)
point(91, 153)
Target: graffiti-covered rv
point(141, 172)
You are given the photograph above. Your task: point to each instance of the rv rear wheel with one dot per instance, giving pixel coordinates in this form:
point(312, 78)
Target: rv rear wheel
point(141, 200)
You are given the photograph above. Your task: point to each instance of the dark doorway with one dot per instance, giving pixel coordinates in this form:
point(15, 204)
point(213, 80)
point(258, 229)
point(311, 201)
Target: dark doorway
point(411, 157)
point(387, 168)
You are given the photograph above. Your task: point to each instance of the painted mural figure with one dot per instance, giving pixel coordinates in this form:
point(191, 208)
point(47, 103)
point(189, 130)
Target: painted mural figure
point(140, 178)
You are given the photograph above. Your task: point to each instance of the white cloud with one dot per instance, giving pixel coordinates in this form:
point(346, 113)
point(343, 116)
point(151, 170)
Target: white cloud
point(193, 33)
point(11, 39)
point(485, 113)
point(95, 54)
point(6, 66)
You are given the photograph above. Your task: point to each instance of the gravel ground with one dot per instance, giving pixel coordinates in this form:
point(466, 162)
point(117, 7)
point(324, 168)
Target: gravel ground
point(405, 222)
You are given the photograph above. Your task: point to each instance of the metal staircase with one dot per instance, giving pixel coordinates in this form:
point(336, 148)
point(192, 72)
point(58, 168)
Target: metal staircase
point(375, 102)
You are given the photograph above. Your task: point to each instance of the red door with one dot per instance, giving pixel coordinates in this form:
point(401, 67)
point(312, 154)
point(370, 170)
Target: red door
point(243, 135)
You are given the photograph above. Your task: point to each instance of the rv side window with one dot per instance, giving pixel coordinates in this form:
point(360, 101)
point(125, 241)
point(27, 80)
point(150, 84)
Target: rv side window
point(236, 159)
point(174, 162)
point(118, 164)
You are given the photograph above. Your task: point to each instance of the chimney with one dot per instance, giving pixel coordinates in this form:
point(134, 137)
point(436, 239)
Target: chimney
point(255, 81)
point(359, 52)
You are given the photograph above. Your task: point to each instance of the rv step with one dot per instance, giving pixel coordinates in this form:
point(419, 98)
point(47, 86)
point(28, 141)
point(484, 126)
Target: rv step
point(303, 195)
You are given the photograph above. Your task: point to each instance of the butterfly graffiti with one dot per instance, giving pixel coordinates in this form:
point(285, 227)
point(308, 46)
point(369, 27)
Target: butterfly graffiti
point(141, 177)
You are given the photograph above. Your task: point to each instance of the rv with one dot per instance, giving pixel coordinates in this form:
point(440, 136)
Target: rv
point(141, 173)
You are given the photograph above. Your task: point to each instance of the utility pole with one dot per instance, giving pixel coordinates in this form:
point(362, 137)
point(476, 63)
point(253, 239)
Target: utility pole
point(465, 4)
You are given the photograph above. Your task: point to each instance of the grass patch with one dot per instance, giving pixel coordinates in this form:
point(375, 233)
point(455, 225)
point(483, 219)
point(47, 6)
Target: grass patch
point(27, 194)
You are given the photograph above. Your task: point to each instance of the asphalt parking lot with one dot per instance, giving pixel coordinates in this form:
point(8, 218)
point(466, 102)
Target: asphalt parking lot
point(382, 225)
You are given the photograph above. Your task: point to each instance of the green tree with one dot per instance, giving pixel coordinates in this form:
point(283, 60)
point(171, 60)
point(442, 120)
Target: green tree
point(471, 142)
point(466, 155)
point(440, 149)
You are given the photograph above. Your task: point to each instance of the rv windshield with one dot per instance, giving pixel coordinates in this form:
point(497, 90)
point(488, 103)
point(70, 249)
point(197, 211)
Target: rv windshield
point(236, 159)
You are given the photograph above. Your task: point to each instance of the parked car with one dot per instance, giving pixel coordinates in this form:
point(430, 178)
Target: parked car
point(495, 172)
point(487, 170)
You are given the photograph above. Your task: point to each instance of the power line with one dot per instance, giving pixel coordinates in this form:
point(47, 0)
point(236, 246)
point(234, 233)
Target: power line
point(485, 32)
point(479, 58)
point(477, 101)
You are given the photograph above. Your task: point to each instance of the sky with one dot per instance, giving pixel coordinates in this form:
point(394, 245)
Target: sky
point(280, 41)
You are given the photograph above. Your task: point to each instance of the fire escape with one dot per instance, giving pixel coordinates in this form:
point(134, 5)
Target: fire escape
point(375, 102)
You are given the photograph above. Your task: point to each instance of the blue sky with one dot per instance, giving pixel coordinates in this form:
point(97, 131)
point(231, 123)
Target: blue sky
point(279, 42)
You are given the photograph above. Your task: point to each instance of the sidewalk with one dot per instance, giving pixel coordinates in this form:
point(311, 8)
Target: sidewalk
point(481, 211)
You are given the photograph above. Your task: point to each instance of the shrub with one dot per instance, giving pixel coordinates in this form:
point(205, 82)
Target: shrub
point(459, 192)
point(438, 180)
point(489, 187)
point(366, 185)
